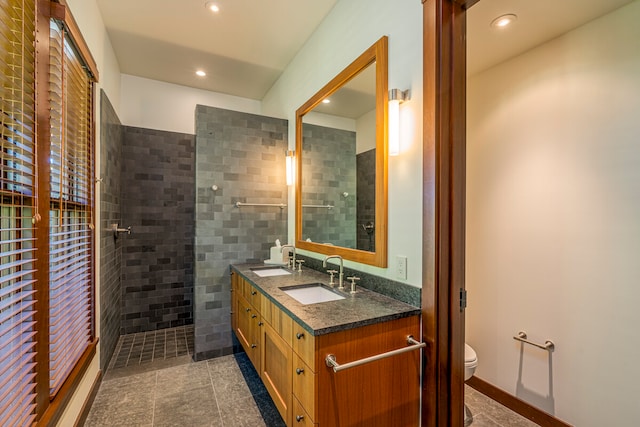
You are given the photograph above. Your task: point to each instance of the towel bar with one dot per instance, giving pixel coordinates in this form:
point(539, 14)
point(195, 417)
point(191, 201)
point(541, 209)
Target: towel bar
point(330, 360)
point(522, 337)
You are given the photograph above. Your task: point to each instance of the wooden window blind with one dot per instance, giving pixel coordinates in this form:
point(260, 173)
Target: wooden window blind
point(17, 210)
point(71, 207)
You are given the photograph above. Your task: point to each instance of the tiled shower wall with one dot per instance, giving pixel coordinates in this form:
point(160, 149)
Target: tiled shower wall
point(244, 156)
point(110, 249)
point(157, 196)
point(329, 171)
point(366, 200)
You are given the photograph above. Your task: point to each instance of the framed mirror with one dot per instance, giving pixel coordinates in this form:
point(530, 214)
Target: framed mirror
point(341, 150)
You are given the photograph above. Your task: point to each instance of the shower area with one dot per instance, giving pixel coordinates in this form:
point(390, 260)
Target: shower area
point(147, 275)
point(165, 294)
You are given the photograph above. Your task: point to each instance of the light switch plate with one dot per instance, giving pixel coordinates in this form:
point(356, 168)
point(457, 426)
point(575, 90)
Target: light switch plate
point(401, 267)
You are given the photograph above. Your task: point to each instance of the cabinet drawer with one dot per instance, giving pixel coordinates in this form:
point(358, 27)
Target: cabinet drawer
point(252, 295)
point(303, 344)
point(278, 319)
point(304, 385)
point(300, 417)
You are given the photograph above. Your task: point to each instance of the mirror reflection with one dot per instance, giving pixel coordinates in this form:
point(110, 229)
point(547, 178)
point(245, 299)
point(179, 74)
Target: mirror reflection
point(339, 166)
point(341, 148)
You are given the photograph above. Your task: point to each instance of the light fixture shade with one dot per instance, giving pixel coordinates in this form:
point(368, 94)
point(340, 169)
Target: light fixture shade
point(291, 166)
point(394, 127)
point(396, 96)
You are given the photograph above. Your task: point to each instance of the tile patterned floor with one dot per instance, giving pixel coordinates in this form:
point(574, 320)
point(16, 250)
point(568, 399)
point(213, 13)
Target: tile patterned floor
point(146, 347)
point(489, 413)
point(153, 381)
point(208, 393)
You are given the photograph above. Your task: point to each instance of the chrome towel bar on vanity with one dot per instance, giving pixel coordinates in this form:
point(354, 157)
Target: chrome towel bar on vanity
point(330, 360)
point(522, 337)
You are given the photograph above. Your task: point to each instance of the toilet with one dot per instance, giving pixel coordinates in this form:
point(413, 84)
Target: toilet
point(470, 364)
point(470, 361)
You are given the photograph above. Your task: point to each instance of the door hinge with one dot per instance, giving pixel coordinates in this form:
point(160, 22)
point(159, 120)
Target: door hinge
point(463, 299)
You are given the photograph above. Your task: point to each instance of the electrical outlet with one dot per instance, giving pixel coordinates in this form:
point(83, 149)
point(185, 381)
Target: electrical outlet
point(401, 267)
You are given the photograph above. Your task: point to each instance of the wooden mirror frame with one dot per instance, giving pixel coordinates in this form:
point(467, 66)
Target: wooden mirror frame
point(378, 54)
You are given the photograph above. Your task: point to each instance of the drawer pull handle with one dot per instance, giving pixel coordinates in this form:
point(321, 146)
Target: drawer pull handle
point(253, 316)
point(299, 418)
point(254, 345)
point(299, 371)
point(260, 323)
point(254, 292)
point(248, 310)
point(299, 335)
point(412, 344)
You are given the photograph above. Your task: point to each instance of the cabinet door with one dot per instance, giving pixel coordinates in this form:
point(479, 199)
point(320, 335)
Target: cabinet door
point(248, 330)
point(382, 393)
point(276, 370)
point(235, 291)
point(243, 327)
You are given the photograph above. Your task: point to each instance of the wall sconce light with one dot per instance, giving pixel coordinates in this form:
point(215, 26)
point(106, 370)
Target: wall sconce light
point(396, 97)
point(291, 166)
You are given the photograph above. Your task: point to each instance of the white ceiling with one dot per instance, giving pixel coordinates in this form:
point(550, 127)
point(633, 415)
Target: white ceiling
point(538, 21)
point(246, 46)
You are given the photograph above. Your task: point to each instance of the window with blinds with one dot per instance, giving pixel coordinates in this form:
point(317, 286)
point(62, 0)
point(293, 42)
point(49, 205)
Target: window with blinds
point(17, 210)
point(70, 214)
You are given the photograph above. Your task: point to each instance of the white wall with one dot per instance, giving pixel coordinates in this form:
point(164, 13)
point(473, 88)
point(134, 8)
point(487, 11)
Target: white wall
point(89, 20)
point(153, 104)
point(553, 222)
point(366, 132)
point(349, 29)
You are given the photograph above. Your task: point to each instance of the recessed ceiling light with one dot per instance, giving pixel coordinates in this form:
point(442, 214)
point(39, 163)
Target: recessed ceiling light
point(504, 20)
point(212, 6)
point(326, 101)
point(201, 73)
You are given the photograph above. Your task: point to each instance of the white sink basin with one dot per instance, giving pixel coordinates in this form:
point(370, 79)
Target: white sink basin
point(270, 271)
point(312, 293)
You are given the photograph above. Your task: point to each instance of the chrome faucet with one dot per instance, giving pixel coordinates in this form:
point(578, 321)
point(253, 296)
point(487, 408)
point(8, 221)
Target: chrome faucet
point(293, 249)
point(341, 274)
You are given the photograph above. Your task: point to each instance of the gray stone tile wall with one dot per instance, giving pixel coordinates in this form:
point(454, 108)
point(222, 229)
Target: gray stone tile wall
point(366, 200)
point(158, 186)
point(244, 156)
point(111, 136)
point(329, 171)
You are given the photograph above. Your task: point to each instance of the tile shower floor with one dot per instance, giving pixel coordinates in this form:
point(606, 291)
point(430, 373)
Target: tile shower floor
point(167, 388)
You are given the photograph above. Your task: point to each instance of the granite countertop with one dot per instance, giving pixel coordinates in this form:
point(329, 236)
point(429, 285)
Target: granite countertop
point(365, 307)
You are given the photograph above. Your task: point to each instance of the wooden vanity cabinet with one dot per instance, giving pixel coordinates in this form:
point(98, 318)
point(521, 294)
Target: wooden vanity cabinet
point(291, 364)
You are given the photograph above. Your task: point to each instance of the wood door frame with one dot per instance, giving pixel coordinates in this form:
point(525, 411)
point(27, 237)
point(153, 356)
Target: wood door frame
point(444, 152)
